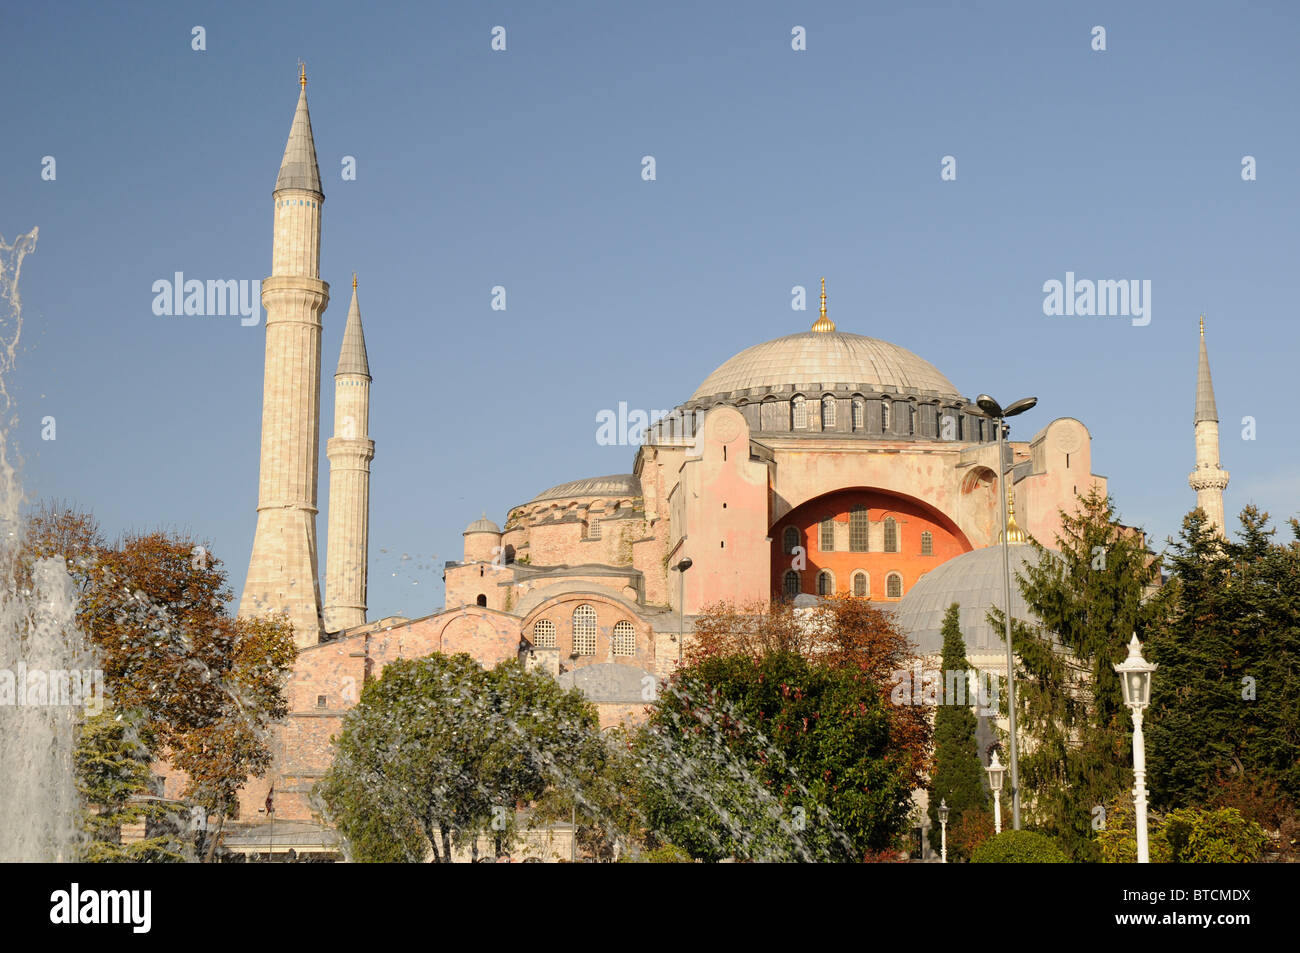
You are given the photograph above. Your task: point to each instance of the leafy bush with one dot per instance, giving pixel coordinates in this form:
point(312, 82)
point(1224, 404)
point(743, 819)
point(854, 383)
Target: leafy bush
point(1019, 847)
point(1213, 837)
point(664, 854)
point(1188, 835)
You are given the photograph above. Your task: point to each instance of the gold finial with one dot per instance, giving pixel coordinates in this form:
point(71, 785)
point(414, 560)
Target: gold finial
point(1014, 533)
point(1202, 325)
point(823, 324)
point(354, 281)
point(302, 74)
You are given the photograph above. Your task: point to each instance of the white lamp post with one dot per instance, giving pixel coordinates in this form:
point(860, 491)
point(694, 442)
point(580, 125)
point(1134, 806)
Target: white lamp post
point(996, 771)
point(1135, 678)
point(943, 831)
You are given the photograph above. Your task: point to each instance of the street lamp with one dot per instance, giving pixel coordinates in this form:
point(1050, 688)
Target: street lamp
point(681, 567)
point(1135, 679)
point(943, 831)
point(996, 771)
point(991, 408)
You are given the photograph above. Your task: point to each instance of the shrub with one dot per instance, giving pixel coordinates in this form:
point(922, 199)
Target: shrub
point(1186, 836)
point(1019, 847)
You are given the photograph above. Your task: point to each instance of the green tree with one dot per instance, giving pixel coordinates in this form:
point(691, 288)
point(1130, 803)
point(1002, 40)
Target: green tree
point(1226, 699)
point(112, 768)
point(958, 776)
point(772, 758)
point(439, 751)
point(1088, 599)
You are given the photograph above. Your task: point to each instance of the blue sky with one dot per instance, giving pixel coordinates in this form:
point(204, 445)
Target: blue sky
point(523, 169)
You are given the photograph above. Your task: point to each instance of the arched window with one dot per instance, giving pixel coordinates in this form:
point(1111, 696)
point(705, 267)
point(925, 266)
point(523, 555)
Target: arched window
point(861, 585)
point(482, 600)
point(828, 412)
point(927, 543)
point(827, 542)
point(799, 411)
point(584, 630)
point(858, 529)
point(859, 413)
point(544, 634)
point(891, 535)
point(825, 583)
point(894, 586)
point(884, 415)
point(624, 639)
point(910, 409)
point(790, 584)
point(790, 539)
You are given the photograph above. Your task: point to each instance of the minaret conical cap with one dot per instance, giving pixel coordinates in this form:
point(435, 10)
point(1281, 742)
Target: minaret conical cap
point(352, 358)
point(298, 170)
point(1205, 406)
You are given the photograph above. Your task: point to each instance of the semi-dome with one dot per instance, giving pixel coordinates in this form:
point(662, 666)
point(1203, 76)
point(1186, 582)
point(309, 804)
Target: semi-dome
point(617, 484)
point(974, 580)
point(831, 359)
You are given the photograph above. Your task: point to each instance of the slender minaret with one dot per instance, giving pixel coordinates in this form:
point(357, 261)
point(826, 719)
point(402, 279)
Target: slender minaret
point(1209, 480)
point(350, 451)
point(282, 573)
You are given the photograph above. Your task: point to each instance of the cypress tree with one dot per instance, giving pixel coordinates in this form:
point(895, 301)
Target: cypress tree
point(1088, 599)
point(958, 776)
point(1226, 698)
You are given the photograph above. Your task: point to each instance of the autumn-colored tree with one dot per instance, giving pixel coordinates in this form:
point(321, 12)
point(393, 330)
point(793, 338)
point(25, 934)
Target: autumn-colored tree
point(202, 686)
point(843, 632)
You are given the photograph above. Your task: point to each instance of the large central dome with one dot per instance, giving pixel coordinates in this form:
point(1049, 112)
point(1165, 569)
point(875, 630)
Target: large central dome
point(830, 359)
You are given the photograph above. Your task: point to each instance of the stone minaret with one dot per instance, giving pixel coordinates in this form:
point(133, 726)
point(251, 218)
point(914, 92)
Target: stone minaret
point(282, 574)
point(350, 451)
point(1209, 480)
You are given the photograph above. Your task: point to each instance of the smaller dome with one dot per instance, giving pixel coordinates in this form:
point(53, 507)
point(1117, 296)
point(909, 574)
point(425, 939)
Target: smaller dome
point(482, 525)
point(974, 580)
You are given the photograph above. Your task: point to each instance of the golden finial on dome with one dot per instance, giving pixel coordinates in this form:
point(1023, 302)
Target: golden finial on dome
point(823, 324)
point(1014, 533)
point(354, 281)
point(1202, 325)
point(302, 74)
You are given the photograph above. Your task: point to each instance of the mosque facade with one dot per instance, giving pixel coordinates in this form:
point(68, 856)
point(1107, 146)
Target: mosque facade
point(822, 462)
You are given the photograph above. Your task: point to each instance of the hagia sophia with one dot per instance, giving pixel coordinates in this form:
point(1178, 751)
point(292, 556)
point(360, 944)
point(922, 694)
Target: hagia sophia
point(822, 462)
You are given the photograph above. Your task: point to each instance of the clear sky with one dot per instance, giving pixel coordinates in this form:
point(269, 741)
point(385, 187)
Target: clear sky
point(523, 169)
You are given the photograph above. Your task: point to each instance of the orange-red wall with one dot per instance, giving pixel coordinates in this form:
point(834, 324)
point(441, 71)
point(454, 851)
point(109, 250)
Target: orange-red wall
point(913, 518)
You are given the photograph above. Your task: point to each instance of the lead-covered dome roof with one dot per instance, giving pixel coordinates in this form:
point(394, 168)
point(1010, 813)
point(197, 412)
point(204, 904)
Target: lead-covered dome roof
point(617, 484)
point(974, 580)
point(831, 359)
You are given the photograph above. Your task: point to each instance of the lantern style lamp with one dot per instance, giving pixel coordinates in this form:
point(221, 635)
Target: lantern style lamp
point(996, 772)
point(1135, 681)
point(943, 832)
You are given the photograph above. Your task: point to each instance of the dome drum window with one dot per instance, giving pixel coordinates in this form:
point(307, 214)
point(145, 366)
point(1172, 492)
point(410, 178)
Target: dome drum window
point(798, 413)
